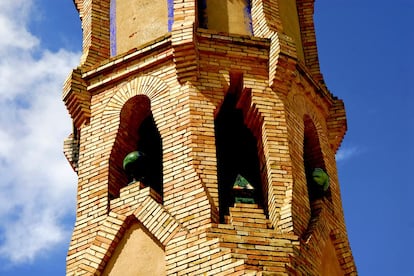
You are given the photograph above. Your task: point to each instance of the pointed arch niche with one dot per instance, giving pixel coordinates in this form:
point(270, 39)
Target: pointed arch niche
point(129, 115)
point(236, 147)
point(313, 158)
point(137, 131)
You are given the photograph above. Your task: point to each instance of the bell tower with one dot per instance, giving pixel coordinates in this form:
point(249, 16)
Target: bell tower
point(204, 140)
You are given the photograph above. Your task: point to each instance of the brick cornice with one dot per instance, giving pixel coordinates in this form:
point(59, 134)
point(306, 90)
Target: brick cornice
point(129, 64)
point(77, 99)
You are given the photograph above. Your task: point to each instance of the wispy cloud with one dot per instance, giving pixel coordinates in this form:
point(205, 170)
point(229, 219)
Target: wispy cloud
point(37, 186)
point(347, 153)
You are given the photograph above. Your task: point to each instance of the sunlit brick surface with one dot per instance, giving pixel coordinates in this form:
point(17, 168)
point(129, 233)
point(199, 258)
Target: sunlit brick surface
point(185, 75)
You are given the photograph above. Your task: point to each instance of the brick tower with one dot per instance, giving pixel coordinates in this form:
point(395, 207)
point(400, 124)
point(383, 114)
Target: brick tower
point(226, 100)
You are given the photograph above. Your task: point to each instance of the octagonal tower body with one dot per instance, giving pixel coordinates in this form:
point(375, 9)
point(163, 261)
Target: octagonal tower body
point(211, 91)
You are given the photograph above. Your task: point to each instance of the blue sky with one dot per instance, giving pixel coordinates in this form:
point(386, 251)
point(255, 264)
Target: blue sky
point(365, 51)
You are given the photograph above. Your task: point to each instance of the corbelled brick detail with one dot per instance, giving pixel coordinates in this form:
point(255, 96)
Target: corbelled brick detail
point(77, 98)
point(182, 79)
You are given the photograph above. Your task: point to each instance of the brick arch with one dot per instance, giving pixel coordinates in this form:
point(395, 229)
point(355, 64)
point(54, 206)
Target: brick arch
point(253, 119)
point(313, 157)
point(311, 131)
point(235, 109)
point(302, 110)
point(308, 105)
point(314, 129)
point(261, 122)
point(300, 103)
point(310, 116)
point(120, 116)
point(266, 125)
point(150, 86)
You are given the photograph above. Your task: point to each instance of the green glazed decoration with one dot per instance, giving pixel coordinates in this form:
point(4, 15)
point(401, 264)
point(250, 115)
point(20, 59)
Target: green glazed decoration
point(321, 178)
point(243, 191)
point(134, 166)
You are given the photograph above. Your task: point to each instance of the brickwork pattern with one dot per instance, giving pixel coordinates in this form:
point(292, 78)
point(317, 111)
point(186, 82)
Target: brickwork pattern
point(305, 12)
point(185, 77)
point(77, 98)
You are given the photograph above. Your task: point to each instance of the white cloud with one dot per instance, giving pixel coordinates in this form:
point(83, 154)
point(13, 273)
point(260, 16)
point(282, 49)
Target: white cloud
point(37, 185)
point(13, 19)
point(346, 153)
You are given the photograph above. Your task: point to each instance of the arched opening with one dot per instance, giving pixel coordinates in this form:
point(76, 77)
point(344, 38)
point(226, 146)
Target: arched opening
point(137, 131)
point(313, 159)
point(317, 179)
point(237, 154)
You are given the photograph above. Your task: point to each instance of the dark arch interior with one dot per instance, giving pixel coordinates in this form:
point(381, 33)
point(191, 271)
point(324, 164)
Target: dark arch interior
point(137, 131)
point(149, 142)
point(236, 154)
point(312, 156)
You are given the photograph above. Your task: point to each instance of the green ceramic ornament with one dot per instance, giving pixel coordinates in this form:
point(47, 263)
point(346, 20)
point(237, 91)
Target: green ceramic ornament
point(321, 179)
point(243, 191)
point(134, 166)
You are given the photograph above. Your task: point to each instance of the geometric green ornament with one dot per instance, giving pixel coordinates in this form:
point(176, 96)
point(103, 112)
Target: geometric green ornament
point(242, 183)
point(243, 191)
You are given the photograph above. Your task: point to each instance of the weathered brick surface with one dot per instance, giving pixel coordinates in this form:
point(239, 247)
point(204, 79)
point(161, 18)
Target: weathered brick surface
point(182, 79)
